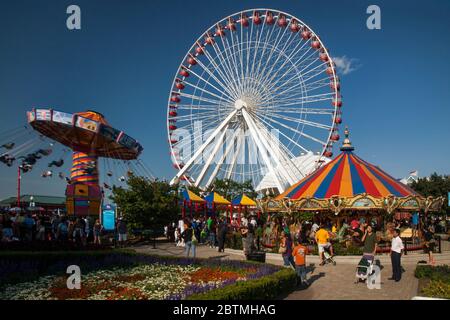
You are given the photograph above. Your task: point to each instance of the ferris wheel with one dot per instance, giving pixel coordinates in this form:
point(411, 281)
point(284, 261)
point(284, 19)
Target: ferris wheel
point(255, 90)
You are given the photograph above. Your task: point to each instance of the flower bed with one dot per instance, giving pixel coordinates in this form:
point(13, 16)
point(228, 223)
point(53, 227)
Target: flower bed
point(125, 275)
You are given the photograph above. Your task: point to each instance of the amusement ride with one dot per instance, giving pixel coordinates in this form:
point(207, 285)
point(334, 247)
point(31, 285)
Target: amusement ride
point(85, 137)
point(256, 91)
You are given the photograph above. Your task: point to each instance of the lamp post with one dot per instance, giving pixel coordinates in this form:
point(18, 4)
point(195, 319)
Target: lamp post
point(19, 177)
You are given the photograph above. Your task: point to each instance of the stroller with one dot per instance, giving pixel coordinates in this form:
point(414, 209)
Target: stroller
point(328, 258)
point(365, 268)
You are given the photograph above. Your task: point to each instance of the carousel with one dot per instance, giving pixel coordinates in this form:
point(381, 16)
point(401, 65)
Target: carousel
point(347, 188)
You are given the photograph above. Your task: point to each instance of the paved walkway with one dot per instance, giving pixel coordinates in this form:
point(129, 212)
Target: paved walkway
point(327, 282)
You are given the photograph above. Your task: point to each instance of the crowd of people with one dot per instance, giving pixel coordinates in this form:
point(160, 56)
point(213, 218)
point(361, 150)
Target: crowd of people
point(27, 226)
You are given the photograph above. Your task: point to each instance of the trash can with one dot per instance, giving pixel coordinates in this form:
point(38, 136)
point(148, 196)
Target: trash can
point(259, 256)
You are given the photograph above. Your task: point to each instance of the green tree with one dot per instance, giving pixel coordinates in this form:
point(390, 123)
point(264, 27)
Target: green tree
point(436, 186)
point(230, 189)
point(147, 204)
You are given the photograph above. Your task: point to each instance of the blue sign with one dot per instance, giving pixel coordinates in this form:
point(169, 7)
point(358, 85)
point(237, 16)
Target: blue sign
point(109, 217)
point(448, 198)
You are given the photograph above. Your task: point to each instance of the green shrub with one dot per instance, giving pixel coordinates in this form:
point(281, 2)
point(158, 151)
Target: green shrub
point(268, 287)
point(439, 273)
point(437, 289)
point(234, 241)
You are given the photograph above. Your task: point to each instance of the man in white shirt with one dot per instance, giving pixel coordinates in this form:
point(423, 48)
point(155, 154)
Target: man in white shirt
point(396, 254)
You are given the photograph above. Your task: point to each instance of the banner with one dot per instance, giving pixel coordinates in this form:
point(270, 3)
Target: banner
point(109, 217)
point(62, 117)
point(43, 114)
point(87, 124)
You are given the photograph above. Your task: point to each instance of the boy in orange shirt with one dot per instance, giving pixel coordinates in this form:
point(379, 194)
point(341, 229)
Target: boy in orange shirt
point(299, 253)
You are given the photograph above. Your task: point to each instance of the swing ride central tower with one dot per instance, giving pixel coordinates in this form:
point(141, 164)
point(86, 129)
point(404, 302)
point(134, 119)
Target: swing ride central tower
point(90, 137)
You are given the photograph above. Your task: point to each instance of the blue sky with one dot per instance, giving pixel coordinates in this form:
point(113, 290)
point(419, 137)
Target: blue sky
point(123, 60)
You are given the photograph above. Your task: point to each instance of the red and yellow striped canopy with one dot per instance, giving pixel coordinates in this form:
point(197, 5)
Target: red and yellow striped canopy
point(347, 176)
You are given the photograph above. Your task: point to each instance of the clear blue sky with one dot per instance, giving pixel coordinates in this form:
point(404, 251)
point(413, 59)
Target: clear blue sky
point(122, 62)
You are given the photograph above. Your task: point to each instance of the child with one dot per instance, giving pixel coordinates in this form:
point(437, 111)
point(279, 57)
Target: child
point(299, 253)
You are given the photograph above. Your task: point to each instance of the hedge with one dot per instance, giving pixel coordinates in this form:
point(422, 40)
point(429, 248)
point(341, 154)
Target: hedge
point(266, 288)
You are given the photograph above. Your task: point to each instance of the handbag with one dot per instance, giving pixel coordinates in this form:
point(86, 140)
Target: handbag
point(194, 238)
point(282, 249)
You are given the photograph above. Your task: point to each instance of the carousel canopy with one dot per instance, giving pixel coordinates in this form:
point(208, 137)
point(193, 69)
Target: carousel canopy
point(243, 200)
point(216, 198)
point(347, 176)
point(191, 196)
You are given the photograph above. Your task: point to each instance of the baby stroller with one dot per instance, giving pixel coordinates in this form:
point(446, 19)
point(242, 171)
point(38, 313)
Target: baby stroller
point(328, 258)
point(365, 268)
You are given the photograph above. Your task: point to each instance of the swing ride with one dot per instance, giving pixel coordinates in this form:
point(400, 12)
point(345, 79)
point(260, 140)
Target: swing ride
point(90, 139)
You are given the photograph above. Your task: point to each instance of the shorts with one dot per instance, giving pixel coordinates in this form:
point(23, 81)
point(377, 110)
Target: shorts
point(7, 232)
point(323, 246)
point(301, 272)
point(122, 237)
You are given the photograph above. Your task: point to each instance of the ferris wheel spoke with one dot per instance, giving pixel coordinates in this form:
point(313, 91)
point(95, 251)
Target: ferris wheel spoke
point(270, 77)
point(264, 48)
point(209, 92)
point(203, 107)
point(200, 98)
point(275, 79)
point(263, 73)
point(323, 143)
point(226, 71)
point(307, 61)
point(225, 88)
point(228, 62)
point(232, 62)
point(260, 118)
point(297, 120)
point(210, 84)
point(299, 110)
point(285, 101)
point(224, 77)
point(205, 115)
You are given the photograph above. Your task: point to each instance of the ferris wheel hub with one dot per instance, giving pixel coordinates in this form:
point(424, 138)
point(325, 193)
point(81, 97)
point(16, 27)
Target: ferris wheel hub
point(239, 104)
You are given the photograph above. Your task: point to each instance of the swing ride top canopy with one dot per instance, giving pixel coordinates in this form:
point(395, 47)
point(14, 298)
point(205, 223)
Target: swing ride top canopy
point(349, 182)
point(87, 132)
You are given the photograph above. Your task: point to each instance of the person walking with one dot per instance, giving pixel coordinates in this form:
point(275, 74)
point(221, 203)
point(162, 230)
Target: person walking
point(190, 240)
point(286, 249)
point(299, 253)
point(97, 232)
point(396, 254)
point(429, 245)
point(122, 230)
point(221, 235)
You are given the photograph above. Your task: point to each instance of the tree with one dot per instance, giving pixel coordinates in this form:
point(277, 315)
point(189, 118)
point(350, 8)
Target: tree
point(147, 204)
point(435, 186)
point(230, 189)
